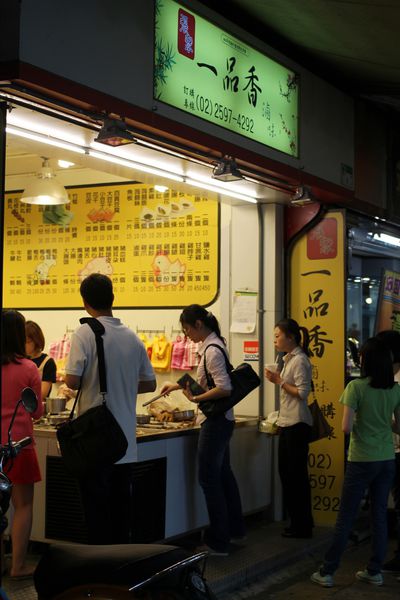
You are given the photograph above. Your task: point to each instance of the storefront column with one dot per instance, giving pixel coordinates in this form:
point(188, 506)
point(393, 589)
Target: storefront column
point(274, 293)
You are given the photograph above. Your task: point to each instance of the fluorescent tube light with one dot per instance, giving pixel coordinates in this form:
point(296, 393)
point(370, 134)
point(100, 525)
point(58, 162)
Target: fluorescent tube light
point(221, 190)
point(200, 182)
point(124, 162)
point(45, 139)
point(387, 239)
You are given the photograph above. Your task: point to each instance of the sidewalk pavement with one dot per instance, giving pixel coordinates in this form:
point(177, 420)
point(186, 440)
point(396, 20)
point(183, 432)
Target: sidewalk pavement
point(266, 555)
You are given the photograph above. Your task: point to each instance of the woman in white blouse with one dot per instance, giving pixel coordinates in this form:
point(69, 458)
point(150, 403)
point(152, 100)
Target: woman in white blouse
point(295, 425)
point(215, 474)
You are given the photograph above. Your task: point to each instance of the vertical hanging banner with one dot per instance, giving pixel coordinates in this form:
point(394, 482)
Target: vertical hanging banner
point(388, 313)
point(317, 301)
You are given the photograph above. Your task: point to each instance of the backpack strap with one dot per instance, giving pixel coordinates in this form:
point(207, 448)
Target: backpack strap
point(98, 330)
point(229, 367)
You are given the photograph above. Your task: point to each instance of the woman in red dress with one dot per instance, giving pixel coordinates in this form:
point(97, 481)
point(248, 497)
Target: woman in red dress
point(18, 372)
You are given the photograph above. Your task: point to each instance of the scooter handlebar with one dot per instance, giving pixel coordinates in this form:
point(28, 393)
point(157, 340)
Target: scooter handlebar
point(17, 446)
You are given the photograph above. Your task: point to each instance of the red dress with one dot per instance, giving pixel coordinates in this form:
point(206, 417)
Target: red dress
point(15, 377)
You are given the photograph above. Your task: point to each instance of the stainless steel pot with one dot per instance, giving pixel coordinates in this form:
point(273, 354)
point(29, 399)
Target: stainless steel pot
point(183, 415)
point(142, 419)
point(54, 406)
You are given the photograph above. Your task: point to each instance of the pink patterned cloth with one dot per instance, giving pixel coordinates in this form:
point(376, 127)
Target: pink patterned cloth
point(178, 351)
point(190, 355)
point(60, 348)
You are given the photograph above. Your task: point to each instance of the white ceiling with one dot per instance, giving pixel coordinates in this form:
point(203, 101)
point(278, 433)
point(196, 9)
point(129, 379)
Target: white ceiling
point(24, 158)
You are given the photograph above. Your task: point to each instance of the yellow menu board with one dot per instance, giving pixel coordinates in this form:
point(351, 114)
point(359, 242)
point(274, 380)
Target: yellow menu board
point(317, 300)
point(159, 249)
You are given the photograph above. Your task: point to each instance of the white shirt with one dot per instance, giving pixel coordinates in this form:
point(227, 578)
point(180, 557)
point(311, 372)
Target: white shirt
point(216, 367)
point(127, 363)
point(297, 372)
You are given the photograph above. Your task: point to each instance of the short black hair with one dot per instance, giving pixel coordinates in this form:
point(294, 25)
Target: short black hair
point(392, 340)
point(97, 291)
point(376, 363)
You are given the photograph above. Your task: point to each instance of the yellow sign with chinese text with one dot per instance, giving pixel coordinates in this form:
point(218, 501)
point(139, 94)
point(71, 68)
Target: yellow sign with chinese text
point(159, 249)
point(388, 313)
point(317, 300)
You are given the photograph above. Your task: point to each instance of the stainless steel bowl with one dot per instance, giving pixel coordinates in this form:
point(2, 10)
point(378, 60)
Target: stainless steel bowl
point(183, 415)
point(142, 419)
point(55, 406)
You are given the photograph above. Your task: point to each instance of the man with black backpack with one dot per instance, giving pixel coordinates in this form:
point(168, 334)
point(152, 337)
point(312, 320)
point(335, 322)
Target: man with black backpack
point(107, 495)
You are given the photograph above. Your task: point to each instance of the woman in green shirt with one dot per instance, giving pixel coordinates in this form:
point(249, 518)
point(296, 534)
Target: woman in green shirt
point(369, 405)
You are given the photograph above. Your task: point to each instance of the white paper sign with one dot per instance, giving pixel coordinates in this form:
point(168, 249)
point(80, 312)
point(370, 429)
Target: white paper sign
point(244, 312)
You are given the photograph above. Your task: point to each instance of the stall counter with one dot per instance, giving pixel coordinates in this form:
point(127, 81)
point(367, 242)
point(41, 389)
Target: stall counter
point(183, 501)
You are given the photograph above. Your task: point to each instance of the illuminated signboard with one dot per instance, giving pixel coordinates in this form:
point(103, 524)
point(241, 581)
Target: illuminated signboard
point(159, 249)
point(205, 71)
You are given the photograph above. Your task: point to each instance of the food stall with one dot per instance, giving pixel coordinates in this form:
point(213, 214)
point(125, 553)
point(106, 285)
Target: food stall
point(168, 501)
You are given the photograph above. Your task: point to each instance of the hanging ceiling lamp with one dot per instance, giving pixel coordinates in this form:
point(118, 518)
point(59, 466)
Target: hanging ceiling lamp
point(226, 170)
point(114, 133)
point(44, 189)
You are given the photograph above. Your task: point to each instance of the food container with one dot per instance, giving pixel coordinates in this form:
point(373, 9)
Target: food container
point(183, 415)
point(142, 419)
point(273, 367)
point(55, 420)
point(54, 406)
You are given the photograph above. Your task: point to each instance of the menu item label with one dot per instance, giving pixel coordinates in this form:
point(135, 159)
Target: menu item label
point(159, 249)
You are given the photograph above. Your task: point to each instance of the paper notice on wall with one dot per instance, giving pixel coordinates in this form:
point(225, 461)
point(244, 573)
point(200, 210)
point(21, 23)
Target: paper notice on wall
point(244, 312)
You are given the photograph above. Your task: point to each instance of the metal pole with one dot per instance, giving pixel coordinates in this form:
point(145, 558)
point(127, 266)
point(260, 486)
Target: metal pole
point(3, 116)
point(260, 213)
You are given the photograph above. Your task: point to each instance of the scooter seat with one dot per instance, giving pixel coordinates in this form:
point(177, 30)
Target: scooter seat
point(64, 566)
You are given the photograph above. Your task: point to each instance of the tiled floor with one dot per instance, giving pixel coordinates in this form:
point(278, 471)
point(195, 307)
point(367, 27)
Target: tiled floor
point(265, 552)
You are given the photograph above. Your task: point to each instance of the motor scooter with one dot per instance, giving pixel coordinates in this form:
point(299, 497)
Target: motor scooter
point(8, 452)
point(121, 572)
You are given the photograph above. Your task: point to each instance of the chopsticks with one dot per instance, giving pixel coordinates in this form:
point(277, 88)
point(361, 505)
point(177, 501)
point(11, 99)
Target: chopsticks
point(153, 399)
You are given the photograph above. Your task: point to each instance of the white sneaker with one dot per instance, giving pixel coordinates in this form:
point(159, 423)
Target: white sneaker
point(367, 578)
point(323, 580)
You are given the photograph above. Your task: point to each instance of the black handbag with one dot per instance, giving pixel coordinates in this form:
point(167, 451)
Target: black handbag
point(93, 440)
point(243, 378)
point(320, 427)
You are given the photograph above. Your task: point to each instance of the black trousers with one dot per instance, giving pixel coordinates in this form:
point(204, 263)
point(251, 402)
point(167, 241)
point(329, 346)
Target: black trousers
point(293, 472)
point(107, 500)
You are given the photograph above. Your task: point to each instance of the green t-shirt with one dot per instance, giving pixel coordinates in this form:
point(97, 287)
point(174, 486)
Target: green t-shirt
point(371, 438)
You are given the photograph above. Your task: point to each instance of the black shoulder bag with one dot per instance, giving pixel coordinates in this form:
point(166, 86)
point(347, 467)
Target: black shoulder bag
point(320, 427)
point(94, 439)
point(243, 378)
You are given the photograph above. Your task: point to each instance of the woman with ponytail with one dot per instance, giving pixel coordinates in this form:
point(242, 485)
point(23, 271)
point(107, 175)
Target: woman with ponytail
point(215, 474)
point(295, 425)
